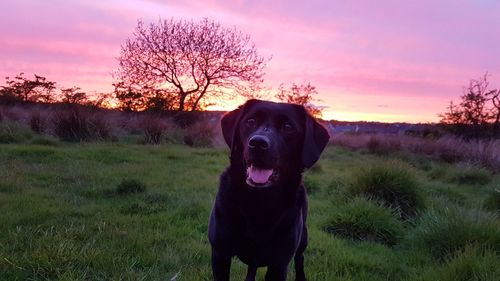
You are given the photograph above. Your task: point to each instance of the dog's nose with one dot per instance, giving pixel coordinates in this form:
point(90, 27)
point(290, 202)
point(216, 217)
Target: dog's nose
point(259, 142)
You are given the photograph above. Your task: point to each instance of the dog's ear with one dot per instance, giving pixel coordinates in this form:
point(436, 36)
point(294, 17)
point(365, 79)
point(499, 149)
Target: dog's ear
point(230, 121)
point(229, 124)
point(315, 139)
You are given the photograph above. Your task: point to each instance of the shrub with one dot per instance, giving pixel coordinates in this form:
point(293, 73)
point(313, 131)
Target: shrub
point(366, 221)
point(382, 146)
point(14, 133)
point(38, 123)
point(130, 186)
point(99, 128)
point(186, 119)
point(200, 134)
point(72, 125)
point(492, 202)
point(469, 174)
point(153, 129)
point(76, 124)
point(453, 229)
point(393, 183)
point(470, 264)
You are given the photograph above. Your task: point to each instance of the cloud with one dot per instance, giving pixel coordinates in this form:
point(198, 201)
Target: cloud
point(415, 55)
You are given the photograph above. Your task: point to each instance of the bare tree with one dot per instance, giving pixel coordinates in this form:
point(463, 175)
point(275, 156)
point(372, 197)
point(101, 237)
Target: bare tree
point(185, 62)
point(300, 94)
point(494, 96)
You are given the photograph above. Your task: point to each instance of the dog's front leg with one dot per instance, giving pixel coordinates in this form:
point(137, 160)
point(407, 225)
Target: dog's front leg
point(276, 272)
point(251, 272)
point(221, 266)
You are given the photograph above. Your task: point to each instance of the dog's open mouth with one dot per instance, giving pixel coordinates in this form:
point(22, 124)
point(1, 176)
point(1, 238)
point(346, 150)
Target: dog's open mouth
point(261, 177)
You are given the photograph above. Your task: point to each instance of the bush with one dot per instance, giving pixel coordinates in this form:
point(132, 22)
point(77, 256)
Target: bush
point(38, 123)
point(492, 202)
point(80, 124)
point(200, 134)
point(366, 221)
point(100, 129)
point(393, 183)
point(382, 146)
point(446, 232)
point(470, 264)
point(469, 174)
point(153, 129)
point(14, 133)
point(187, 119)
point(130, 186)
point(72, 125)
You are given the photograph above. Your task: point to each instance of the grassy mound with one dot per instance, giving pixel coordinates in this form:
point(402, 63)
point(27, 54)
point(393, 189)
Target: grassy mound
point(446, 232)
point(470, 264)
point(130, 187)
point(470, 174)
point(393, 183)
point(492, 202)
point(366, 221)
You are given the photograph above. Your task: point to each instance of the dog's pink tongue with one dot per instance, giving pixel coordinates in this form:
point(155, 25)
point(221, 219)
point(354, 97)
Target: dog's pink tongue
point(259, 175)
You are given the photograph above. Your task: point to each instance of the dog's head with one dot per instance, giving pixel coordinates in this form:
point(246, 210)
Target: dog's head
point(272, 140)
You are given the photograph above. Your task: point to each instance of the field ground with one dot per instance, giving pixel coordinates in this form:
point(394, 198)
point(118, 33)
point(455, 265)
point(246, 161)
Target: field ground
point(114, 211)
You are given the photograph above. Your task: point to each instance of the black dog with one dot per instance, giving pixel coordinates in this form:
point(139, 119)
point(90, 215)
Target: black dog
point(259, 214)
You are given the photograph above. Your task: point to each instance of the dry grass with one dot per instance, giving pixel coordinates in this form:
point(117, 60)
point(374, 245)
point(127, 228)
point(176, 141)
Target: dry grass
point(81, 123)
point(484, 153)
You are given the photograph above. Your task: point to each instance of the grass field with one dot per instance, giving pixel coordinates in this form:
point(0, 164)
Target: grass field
point(115, 211)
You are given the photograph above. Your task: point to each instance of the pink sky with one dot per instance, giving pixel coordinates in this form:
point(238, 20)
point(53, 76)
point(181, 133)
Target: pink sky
point(380, 60)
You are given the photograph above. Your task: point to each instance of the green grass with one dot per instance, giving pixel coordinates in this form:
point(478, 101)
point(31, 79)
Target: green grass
point(363, 220)
point(492, 202)
point(470, 264)
point(391, 182)
point(444, 232)
point(63, 217)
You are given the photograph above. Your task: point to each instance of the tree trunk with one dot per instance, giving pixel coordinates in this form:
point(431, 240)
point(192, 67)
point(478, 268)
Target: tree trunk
point(182, 99)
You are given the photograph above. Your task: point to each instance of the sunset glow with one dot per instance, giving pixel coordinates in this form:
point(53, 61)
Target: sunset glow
point(394, 61)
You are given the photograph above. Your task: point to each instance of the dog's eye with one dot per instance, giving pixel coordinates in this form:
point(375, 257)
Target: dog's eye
point(251, 122)
point(288, 127)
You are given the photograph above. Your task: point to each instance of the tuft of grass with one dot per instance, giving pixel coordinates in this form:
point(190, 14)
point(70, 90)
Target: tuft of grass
point(442, 233)
point(366, 221)
point(311, 185)
point(392, 182)
point(439, 172)
point(492, 202)
point(130, 186)
point(470, 174)
point(471, 264)
point(14, 133)
point(316, 168)
point(44, 140)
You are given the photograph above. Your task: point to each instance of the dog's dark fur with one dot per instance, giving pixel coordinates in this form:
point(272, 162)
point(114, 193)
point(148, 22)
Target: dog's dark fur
point(264, 224)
